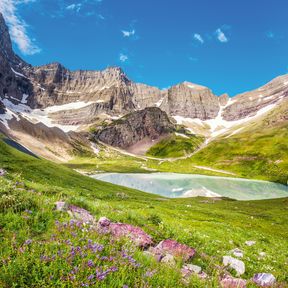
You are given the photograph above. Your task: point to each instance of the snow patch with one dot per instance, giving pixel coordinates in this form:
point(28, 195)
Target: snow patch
point(159, 103)
point(181, 135)
point(18, 74)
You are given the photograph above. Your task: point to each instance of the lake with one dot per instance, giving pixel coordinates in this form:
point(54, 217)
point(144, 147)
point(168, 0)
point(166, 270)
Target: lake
point(189, 185)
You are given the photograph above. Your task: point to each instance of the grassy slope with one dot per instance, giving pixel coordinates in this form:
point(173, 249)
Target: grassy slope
point(260, 151)
point(175, 146)
point(213, 228)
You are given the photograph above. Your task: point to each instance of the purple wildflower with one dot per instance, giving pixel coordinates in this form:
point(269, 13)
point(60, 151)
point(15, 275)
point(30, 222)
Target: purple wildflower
point(90, 263)
point(28, 242)
point(90, 277)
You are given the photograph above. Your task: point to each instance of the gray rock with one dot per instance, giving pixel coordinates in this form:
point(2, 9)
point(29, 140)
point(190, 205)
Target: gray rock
point(169, 260)
point(231, 282)
point(189, 269)
point(250, 243)
point(235, 264)
point(104, 222)
point(264, 279)
point(237, 252)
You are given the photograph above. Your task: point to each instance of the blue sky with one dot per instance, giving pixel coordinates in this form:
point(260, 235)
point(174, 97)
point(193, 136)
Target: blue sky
point(229, 46)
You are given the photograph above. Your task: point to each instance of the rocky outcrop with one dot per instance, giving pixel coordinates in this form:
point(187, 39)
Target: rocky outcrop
point(148, 123)
point(249, 103)
point(193, 101)
point(12, 81)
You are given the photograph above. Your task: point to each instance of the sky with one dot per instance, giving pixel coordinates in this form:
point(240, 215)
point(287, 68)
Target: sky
point(229, 46)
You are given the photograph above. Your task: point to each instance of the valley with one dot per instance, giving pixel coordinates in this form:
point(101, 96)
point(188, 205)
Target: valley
point(105, 182)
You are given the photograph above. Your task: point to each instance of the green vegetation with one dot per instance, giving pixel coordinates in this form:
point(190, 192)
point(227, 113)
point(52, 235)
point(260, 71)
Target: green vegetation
point(175, 146)
point(31, 236)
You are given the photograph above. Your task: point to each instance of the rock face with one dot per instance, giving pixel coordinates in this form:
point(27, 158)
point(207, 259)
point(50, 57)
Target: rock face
point(148, 123)
point(12, 82)
point(193, 101)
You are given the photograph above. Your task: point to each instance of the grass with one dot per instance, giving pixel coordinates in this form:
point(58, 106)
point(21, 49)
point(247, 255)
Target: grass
point(31, 238)
point(175, 146)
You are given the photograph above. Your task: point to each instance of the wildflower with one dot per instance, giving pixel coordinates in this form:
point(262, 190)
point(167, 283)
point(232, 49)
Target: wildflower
point(90, 277)
point(90, 263)
point(28, 242)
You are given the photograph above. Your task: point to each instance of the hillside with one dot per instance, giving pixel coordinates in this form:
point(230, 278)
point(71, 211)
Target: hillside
point(29, 232)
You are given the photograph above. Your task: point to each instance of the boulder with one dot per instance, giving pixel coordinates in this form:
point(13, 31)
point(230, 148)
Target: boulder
point(119, 230)
point(231, 282)
point(237, 252)
point(264, 279)
point(174, 248)
point(80, 214)
point(189, 269)
point(169, 260)
point(235, 264)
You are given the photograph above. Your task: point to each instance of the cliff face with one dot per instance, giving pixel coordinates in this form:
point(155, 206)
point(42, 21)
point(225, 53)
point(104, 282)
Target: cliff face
point(249, 103)
point(147, 123)
point(71, 100)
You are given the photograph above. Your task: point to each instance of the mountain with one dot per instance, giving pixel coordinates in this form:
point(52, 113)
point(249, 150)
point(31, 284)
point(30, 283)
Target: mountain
point(52, 110)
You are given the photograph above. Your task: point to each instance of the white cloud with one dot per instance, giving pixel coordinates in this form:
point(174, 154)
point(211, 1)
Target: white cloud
point(74, 7)
point(221, 36)
point(199, 38)
point(17, 26)
point(128, 33)
point(123, 58)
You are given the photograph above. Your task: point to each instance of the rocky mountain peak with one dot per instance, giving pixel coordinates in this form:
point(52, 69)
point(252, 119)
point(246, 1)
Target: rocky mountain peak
point(5, 41)
point(6, 45)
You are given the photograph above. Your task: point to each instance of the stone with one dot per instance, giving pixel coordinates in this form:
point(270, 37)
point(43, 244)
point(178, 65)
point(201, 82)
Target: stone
point(61, 206)
point(169, 260)
point(231, 282)
point(174, 248)
point(250, 243)
point(235, 264)
point(119, 230)
point(262, 254)
point(2, 172)
point(189, 269)
point(264, 279)
point(237, 252)
point(135, 234)
point(80, 214)
point(104, 222)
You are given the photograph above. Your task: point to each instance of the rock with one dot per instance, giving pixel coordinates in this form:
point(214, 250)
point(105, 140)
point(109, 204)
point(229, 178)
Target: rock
point(2, 172)
point(129, 130)
point(262, 254)
point(119, 230)
point(174, 248)
point(231, 282)
point(80, 214)
point(237, 252)
point(61, 206)
point(104, 222)
point(264, 279)
point(168, 259)
point(250, 243)
point(189, 269)
point(235, 264)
